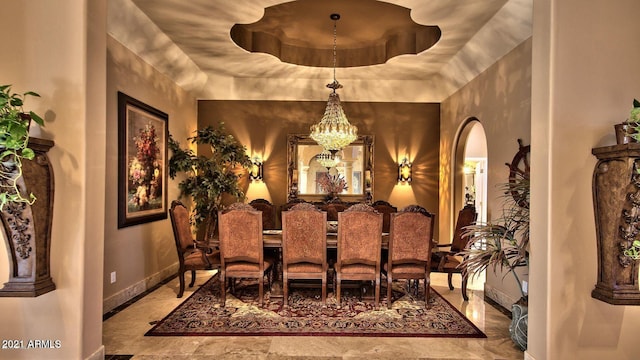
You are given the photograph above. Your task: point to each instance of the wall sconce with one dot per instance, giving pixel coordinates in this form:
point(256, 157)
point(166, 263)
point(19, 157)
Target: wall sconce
point(404, 171)
point(255, 173)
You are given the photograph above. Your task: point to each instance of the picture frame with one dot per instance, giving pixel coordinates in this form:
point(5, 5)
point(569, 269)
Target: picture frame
point(143, 133)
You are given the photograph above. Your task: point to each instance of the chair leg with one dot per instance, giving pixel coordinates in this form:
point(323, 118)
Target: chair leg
point(285, 289)
point(464, 289)
point(193, 278)
point(450, 283)
point(324, 288)
point(376, 303)
point(261, 289)
point(427, 289)
point(389, 289)
point(223, 289)
point(181, 277)
point(337, 285)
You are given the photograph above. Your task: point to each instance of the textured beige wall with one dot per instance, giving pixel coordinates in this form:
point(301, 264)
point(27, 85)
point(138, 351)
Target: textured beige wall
point(45, 49)
point(398, 128)
point(138, 252)
point(500, 98)
point(586, 76)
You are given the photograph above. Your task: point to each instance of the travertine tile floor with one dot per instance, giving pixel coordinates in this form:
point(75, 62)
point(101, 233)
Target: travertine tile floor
point(124, 332)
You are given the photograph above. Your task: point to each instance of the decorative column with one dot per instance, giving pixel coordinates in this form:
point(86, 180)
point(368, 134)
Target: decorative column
point(28, 228)
point(616, 201)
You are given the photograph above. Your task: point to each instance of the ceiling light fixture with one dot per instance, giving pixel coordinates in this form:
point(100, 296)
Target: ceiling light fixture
point(334, 132)
point(326, 159)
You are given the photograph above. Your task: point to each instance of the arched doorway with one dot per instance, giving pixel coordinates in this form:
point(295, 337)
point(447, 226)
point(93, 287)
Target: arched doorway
point(470, 177)
point(469, 169)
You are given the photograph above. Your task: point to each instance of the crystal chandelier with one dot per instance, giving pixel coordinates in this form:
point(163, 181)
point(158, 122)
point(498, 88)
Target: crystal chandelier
point(334, 132)
point(326, 159)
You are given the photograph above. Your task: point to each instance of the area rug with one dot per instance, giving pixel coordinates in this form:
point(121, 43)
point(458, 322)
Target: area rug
point(201, 315)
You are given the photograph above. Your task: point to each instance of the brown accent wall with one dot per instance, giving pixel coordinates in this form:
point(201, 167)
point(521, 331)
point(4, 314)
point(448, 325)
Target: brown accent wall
point(399, 129)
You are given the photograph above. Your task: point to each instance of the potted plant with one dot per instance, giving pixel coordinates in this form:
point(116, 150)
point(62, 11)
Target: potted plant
point(503, 244)
point(14, 140)
point(627, 131)
point(209, 177)
point(27, 225)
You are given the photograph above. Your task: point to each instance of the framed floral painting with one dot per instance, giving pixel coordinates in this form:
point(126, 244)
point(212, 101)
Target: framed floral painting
point(142, 162)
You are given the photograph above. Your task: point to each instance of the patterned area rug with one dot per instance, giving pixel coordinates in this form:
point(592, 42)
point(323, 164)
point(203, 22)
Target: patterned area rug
point(201, 315)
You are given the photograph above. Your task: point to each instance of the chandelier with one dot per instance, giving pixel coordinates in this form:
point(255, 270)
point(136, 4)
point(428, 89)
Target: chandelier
point(334, 132)
point(326, 159)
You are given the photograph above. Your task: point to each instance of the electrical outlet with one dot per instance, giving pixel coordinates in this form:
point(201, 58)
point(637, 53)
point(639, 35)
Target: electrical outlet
point(525, 286)
point(113, 277)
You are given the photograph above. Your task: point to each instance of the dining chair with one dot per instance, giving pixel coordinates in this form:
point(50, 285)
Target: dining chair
point(241, 247)
point(192, 255)
point(386, 209)
point(446, 261)
point(410, 236)
point(304, 246)
point(359, 243)
point(268, 213)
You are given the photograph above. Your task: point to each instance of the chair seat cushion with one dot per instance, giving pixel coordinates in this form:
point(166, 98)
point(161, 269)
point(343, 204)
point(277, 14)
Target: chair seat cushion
point(196, 259)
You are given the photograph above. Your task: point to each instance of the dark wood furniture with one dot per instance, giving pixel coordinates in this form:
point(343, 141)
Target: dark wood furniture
point(241, 248)
point(616, 190)
point(446, 260)
point(192, 255)
point(304, 246)
point(386, 209)
point(409, 254)
point(269, 211)
point(359, 244)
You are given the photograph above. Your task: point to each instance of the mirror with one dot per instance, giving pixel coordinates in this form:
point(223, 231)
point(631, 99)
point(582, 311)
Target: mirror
point(307, 169)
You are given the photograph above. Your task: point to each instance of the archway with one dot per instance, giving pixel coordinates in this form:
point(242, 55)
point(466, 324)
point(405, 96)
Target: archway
point(470, 177)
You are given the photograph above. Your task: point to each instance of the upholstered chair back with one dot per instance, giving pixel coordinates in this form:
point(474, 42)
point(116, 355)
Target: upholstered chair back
point(467, 216)
point(181, 228)
point(411, 235)
point(304, 233)
point(359, 235)
point(240, 232)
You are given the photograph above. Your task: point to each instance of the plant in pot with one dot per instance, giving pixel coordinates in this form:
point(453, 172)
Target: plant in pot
point(209, 177)
point(14, 139)
point(503, 245)
point(26, 225)
point(627, 131)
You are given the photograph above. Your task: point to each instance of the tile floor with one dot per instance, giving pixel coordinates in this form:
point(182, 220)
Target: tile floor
point(123, 334)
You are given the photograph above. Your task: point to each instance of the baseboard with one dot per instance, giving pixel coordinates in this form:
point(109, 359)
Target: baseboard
point(98, 355)
point(138, 288)
point(528, 356)
point(498, 296)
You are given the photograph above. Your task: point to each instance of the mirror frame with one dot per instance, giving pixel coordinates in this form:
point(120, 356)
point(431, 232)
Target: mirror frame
point(293, 140)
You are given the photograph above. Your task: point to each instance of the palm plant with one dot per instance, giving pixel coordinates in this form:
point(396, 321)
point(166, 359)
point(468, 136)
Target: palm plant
point(502, 244)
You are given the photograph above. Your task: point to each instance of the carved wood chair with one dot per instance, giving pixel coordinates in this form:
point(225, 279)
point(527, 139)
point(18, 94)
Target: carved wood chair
point(241, 248)
point(268, 213)
point(447, 261)
point(386, 209)
point(192, 255)
point(304, 246)
point(359, 243)
point(411, 233)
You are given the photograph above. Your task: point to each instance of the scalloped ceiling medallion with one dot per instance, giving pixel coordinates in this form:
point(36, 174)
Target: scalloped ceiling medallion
point(370, 33)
